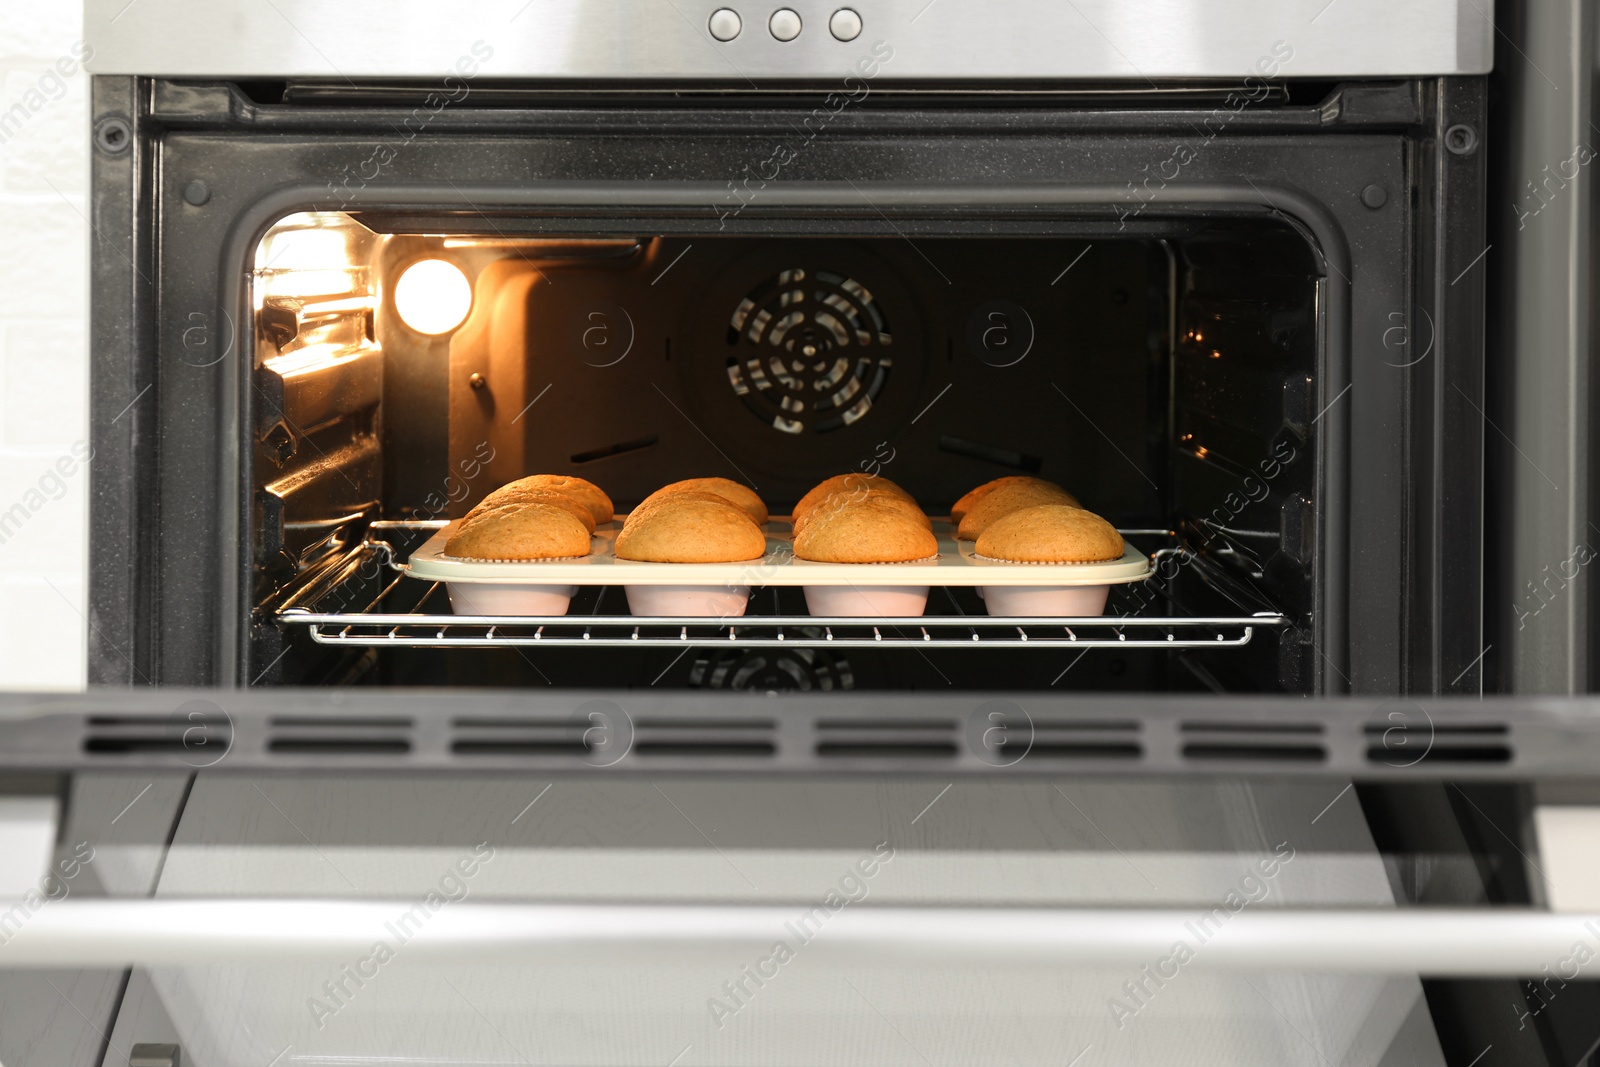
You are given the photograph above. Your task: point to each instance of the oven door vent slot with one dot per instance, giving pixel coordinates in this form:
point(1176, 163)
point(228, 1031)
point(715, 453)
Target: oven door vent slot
point(519, 746)
point(655, 736)
point(311, 736)
point(1254, 742)
point(1231, 728)
point(302, 745)
point(890, 739)
point(1427, 742)
point(603, 740)
point(1081, 749)
point(1094, 740)
point(886, 725)
point(177, 734)
point(520, 737)
point(887, 749)
point(509, 746)
point(1262, 752)
point(705, 748)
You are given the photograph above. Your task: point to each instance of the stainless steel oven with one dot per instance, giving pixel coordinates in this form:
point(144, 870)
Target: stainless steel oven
point(1165, 294)
point(1218, 267)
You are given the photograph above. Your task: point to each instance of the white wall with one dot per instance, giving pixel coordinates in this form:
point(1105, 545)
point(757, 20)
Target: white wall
point(43, 346)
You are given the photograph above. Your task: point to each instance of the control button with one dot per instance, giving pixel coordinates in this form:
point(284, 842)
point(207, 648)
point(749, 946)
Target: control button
point(845, 24)
point(725, 24)
point(784, 24)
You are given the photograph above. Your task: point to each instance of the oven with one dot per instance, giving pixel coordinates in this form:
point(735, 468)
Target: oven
point(1192, 306)
point(1218, 268)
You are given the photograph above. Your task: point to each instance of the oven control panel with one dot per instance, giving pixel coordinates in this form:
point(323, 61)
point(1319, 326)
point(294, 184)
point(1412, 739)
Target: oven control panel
point(752, 42)
point(785, 24)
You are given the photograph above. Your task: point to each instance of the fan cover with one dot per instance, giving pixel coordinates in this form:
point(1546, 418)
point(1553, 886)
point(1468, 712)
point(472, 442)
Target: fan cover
point(802, 670)
point(810, 351)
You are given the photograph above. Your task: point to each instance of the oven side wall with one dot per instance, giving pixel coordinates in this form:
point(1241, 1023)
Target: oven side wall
point(1544, 391)
point(123, 417)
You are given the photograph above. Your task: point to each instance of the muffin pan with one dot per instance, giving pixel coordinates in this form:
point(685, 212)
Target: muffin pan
point(832, 589)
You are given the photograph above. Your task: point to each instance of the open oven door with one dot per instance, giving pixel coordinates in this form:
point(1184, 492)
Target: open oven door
point(602, 878)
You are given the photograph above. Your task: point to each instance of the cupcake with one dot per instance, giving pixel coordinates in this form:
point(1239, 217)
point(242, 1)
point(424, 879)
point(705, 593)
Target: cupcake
point(1002, 500)
point(520, 532)
point(964, 505)
point(691, 527)
point(850, 485)
point(533, 495)
point(586, 493)
point(738, 495)
point(867, 531)
point(672, 499)
point(1050, 533)
point(844, 499)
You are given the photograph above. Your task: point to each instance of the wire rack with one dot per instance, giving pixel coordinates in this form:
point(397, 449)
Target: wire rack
point(361, 597)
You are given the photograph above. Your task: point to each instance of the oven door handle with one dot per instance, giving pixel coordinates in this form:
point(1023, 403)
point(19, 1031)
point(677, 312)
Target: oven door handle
point(1507, 942)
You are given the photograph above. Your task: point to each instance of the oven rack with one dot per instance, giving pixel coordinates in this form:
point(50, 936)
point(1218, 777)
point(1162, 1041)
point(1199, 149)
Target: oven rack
point(429, 623)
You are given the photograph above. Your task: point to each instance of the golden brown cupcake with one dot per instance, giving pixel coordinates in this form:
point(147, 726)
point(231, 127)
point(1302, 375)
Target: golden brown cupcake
point(648, 505)
point(869, 531)
point(1006, 499)
point(529, 495)
point(520, 531)
point(964, 505)
point(1051, 533)
point(586, 493)
point(854, 484)
point(686, 529)
point(739, 496)
point(852, 498)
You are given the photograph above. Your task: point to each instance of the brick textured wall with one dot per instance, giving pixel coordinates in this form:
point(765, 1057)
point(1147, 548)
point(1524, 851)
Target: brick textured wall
point(43, 347)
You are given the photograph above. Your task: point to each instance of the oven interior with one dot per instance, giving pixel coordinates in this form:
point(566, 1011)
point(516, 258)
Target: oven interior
point(1168, 375)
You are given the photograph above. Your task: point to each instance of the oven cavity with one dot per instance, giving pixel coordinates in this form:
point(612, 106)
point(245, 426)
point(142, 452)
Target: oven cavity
point(1170, 380)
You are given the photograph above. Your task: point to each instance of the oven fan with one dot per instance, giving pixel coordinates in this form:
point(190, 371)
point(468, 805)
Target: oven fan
point(771, 670)
point(812, 351)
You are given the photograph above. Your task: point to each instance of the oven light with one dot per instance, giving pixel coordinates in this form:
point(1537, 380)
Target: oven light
point(303, 249)
point(433, 296)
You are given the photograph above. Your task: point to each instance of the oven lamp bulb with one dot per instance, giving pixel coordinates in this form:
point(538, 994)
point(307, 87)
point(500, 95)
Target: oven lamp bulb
point(433, 296)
